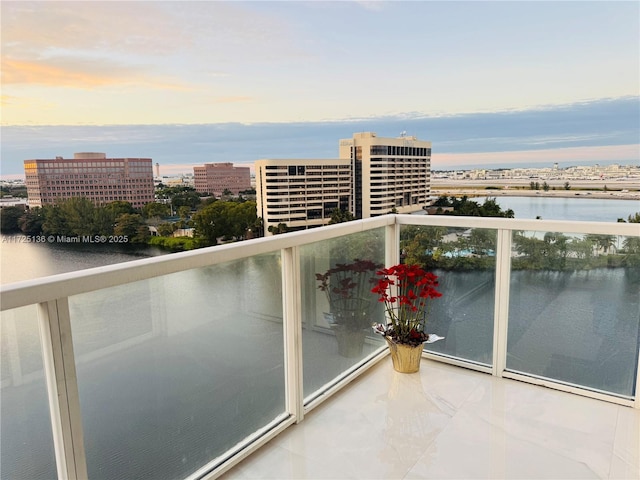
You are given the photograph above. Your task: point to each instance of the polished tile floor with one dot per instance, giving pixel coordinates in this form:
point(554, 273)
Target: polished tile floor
point(451, 423)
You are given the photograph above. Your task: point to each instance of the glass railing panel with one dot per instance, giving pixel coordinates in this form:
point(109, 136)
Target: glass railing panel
point(464, 260)
point(338, 307)
point(175, 370)
point(574, 312)
point(25, 426)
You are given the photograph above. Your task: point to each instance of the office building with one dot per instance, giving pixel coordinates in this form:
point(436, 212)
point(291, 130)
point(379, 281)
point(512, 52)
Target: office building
point(91, 175)
point(215, 178)
point(372, 176)
point(390, 174)
point(302, 193)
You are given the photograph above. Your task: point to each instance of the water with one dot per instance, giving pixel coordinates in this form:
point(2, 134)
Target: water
point(579, 209)
point(25, 261)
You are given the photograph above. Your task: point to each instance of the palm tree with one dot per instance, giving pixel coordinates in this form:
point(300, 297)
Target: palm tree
point(601, 242)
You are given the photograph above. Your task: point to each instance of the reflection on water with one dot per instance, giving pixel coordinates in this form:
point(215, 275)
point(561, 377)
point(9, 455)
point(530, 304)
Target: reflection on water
point(579, 327)
point(24, 261)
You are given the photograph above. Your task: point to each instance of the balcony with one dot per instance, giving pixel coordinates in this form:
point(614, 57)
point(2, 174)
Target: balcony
point(183, 366)
point(450, 422)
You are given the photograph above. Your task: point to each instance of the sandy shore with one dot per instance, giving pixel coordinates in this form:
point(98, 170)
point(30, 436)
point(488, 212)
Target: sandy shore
point(502, 188)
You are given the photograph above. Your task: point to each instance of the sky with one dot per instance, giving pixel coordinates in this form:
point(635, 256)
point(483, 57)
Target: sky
point(189, 82)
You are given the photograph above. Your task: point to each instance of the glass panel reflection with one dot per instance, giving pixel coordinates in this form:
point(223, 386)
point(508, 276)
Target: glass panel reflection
point(27, 441)
point(338, 307)
point(464, 260)
point(574, 312)
point(174, 371)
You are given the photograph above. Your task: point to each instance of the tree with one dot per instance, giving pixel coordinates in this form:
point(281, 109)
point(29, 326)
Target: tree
point(9, 219)
point(165, 229)
point(74, 216)
point(30, 222)
point(180, 196)
point(635, 218)
point(545, 186)
point(466, 207)
point(155, 209)
point(243, 217)
point(566, 186)
point(340, 216)
point(119, 207)
point(601, 242)
point(226, 219)
point(276, 230)
point(184, 212)
point(132, 226)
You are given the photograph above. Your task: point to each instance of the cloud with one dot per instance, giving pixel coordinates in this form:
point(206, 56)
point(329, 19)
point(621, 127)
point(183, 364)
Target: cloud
point(625, 154)
point(31, 28)
point(603, 130)
point(371, 5)
point(157, 29)
point(27, 102)
point(80, 73)
point(236, 99)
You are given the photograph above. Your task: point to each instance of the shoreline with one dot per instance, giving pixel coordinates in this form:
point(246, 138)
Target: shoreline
point(627, 190)
point(477, 192)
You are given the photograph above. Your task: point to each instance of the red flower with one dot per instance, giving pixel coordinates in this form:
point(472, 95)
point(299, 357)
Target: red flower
point(405, 289)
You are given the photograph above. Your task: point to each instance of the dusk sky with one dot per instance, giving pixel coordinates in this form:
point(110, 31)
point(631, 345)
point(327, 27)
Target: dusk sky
point(209, 81)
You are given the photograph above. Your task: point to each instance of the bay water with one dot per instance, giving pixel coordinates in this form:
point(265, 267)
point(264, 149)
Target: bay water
point(24, 261)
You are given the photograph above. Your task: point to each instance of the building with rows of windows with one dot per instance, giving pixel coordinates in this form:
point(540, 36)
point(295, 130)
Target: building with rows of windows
point(302, 193)
point(91, 175)
point(215, 178)
point(372, 176)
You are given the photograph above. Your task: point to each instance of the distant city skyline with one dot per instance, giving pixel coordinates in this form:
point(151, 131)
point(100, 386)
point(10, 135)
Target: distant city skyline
point(191, 82)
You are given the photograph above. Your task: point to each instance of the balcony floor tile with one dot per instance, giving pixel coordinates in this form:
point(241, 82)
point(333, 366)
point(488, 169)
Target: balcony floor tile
point(453, 423)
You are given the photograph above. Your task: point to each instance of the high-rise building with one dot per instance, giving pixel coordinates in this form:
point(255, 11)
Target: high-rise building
point(90, 175)
point(215, 178)
point(389, 173)
point(302, 193)
point(373, 176)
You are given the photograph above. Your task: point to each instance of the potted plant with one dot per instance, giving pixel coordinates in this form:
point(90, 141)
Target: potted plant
point(406, 291)
point(347, 287)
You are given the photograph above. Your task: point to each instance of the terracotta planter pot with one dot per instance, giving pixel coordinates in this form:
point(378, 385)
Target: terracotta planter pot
point(405, 358)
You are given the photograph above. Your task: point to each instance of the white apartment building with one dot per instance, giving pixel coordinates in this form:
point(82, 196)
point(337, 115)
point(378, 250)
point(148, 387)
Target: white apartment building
point(302, 193)
point(372, 176)
point(388, 173)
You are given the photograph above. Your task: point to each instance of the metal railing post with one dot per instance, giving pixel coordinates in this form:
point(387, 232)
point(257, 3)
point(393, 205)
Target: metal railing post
point(392, 244)
point(292, 332)
point(501, 305)
point(62, 388)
